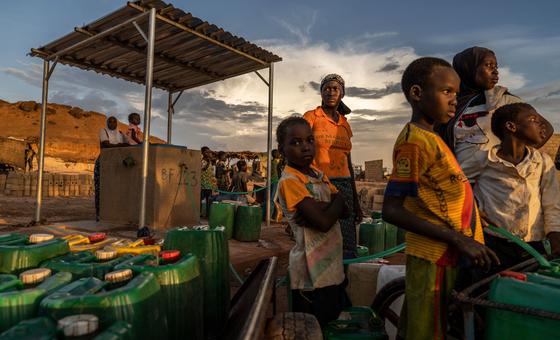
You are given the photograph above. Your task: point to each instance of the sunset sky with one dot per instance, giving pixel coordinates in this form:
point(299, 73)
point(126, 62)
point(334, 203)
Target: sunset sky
point(369, 43)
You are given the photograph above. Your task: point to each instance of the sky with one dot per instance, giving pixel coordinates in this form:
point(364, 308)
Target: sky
point(369, 43)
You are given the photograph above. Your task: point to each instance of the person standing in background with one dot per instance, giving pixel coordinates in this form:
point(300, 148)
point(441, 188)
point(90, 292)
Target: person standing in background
point(333, 146)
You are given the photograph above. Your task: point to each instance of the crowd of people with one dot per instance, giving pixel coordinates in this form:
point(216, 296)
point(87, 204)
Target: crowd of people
point(221, 180)
point(468, 158)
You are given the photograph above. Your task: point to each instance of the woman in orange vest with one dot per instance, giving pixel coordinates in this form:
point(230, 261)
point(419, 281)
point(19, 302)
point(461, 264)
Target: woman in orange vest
point(332, 156)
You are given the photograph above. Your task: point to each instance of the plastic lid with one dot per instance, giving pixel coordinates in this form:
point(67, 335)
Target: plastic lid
point(106, 254)
point(37, 275)
point(38, 238)
point(513, 275)
point(78, 325)
point(119, 275)
point(97, 237)
point(170, 255)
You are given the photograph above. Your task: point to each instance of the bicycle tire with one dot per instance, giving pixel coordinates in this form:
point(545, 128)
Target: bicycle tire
point(386, 296)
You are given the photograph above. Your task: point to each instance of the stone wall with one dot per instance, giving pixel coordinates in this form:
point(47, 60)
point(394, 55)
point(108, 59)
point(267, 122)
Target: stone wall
point(22, 184)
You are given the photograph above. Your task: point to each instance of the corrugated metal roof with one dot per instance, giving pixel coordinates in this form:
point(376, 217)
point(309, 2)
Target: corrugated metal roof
point(189, 52)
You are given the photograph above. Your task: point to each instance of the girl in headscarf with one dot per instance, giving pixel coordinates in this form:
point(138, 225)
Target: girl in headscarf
point(332, 156)
point(469, 131)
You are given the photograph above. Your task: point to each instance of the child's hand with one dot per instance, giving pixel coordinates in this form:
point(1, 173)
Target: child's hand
point(338, 200)
point(478, 254)
point(554, 239)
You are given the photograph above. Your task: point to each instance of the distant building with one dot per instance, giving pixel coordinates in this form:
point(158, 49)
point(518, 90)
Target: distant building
point(374, 171)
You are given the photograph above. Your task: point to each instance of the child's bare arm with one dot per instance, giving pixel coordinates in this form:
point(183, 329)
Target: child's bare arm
point(395, 213)
point(317, 215)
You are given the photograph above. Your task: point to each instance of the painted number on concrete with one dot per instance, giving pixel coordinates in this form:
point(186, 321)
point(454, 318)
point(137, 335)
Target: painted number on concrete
point(183, 175)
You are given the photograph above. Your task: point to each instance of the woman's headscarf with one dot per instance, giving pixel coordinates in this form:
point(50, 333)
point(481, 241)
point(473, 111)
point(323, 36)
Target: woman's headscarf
point(465, 64)
point(342, 108)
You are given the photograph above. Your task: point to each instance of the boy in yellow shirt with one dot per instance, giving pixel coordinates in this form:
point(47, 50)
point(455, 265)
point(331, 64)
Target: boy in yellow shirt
point(429, 196)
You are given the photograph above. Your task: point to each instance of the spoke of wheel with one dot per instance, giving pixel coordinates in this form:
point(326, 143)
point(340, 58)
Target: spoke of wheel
point(392, 317)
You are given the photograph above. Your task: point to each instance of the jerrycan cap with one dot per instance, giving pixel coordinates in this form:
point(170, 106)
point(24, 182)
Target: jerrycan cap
point(119, 276)
point(38, 238)
point(78, 325)
point(36, 275)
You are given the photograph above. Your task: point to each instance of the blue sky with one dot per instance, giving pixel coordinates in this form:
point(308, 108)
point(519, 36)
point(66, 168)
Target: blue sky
point(368, 42)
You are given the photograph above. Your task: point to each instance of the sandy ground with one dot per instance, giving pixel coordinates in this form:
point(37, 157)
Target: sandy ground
point(18, 211)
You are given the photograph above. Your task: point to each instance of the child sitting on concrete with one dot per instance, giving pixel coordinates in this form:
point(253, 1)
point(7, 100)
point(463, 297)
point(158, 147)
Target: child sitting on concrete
point(134, 133)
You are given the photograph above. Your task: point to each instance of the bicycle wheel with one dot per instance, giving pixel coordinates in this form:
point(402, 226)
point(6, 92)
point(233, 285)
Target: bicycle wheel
point(385, 297)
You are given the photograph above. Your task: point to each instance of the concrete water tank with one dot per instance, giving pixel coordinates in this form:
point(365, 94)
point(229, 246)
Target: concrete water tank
point(173, 187)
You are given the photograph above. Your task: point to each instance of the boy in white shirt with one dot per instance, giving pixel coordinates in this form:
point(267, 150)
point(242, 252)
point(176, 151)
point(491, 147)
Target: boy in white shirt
point(517, 188)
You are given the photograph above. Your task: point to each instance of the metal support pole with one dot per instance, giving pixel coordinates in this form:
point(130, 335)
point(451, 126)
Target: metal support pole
point(41, 161)
point(147, 115)
point(269, 144)
point(170, 110)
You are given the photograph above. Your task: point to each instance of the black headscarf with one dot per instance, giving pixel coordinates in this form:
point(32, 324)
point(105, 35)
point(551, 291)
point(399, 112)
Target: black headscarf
point(465, 64)
point(342, 108)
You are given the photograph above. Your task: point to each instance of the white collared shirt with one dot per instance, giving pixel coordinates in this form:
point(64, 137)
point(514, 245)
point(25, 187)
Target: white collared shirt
point(523, 198)
point(112, 136)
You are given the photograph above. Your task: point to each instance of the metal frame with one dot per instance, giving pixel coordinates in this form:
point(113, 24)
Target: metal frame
point(150, 38)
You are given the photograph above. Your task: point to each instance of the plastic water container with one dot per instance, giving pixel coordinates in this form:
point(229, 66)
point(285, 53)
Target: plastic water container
point(46, 328)
point(136, 301)
point(359, 323)
point(181, 286)
point(401, 236)
point(134, 247)
point(390, 235)
point(372, 236)
point(222, 214)
point(248, 220)
point(19, 300)
point(362, 251)
point(15, 258)
point(79, 243)
point(539, 294)
point(13, 238)
point(84, 264)
point(210, 246)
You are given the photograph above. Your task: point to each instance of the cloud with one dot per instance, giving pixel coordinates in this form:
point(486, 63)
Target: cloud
point(546, 99)
point(511, 80)
point(92, 100)
point(367, 93)
point(232, 114)
point(390, 66)
point(303, 34)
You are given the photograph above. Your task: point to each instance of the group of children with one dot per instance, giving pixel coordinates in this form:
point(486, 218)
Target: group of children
point(110, 137)
point(231, 183)
point(444, 208)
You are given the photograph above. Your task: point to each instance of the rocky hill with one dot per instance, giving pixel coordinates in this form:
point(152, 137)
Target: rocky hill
point(72, 133)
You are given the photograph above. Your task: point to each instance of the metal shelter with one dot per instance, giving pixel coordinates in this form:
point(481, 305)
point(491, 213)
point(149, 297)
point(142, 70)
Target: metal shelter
point(153, 43)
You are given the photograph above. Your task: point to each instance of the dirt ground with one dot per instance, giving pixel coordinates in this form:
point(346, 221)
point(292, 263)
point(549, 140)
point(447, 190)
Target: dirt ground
point(18, 211)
